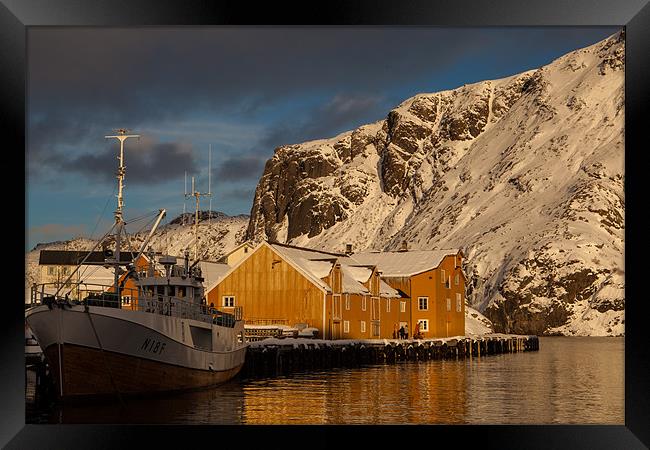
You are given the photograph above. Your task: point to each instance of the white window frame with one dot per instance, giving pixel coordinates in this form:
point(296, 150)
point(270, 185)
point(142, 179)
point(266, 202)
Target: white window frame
point(224, 302)
point(420, 304)
point(347, 302)
point(363, 326)
point(459, 301)
point(457, 279)
point(364, 305)
point(126, 300)
point(346, 326)
point(443, 276)
point(387, 305)
point(51, 270)
point(424, 324)
point(402, 306)
point(448, 304)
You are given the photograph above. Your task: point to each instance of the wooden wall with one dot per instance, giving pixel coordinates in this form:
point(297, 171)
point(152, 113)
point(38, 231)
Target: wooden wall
point(268, 287)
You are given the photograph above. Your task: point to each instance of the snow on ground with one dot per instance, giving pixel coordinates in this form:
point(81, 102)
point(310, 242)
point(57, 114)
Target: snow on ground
point(476, 323)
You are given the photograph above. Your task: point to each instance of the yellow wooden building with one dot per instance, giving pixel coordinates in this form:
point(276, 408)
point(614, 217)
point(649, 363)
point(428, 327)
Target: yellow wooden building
point(279, 284)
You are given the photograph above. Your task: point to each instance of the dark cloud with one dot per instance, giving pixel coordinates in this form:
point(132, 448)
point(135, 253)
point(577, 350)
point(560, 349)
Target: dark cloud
point(146, 161)
point(240, 194)
point(341, 113)
point(245, 167)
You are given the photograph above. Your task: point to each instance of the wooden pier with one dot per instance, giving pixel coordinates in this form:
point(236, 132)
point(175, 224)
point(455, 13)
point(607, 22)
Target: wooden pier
point(274, 357)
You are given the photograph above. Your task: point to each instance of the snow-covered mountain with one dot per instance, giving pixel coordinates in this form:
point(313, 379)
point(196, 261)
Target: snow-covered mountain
point(218, 233)
point(524, 174)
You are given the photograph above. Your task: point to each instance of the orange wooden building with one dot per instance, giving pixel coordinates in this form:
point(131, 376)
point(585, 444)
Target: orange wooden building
point(286, 285)
point(434, 282)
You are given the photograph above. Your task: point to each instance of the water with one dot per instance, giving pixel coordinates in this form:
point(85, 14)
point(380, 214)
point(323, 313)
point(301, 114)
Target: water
point(570, 380)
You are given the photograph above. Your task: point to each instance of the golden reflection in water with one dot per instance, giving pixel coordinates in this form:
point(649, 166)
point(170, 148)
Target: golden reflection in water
point(427, 392)
point(569, 380)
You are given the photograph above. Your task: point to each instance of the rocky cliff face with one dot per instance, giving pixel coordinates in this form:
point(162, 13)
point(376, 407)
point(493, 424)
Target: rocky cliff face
point(525, 174)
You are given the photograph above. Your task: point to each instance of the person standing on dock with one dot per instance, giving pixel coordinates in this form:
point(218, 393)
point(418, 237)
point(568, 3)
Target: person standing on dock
point(401, 332)
point(406, 331)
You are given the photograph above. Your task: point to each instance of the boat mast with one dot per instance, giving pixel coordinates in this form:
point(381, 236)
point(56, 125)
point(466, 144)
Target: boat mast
point(197, 195)
point(119, 221)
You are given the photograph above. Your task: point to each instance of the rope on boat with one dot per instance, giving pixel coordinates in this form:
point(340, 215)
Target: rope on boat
point(110, 375)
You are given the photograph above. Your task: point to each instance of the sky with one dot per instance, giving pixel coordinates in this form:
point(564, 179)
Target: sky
point(244, 91)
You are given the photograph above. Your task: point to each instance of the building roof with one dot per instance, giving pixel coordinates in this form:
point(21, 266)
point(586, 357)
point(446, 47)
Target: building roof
point(318, 264)
point(73, 257)
point(213, 272)
point(404, 264)
point(302, 261)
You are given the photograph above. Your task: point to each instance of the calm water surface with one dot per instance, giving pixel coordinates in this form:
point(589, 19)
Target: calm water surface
point(569, 380)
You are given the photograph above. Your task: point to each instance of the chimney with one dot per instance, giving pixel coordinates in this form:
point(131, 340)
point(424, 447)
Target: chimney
point(348, 249)
point(404, 247)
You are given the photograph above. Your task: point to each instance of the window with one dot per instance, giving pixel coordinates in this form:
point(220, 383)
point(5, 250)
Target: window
point(228, 301)
point(448, 304)
point(457, 279)
point(65, 270)
point(423, 303)
point(346, 326)
point(126, 300)
point(387, 305)
point(459, 302)
point(363, 304)
point(363, 326)
point(245, 249)
point(424, 324)
point(448, 282)
point(51, 270)
point(443, 277)
point(402, 306)
point(181, 292)
point(347, 302)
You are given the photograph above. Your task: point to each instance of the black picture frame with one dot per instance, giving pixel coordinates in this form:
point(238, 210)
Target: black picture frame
point(17, 15)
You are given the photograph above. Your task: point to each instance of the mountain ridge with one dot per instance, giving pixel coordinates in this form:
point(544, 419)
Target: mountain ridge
point(524, 174)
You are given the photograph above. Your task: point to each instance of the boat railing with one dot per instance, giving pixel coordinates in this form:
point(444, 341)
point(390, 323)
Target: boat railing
point(132, 299)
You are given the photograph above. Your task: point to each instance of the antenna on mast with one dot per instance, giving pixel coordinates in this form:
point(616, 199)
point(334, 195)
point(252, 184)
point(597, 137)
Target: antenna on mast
point(119, 222)
point(209, 184)
point(197, 195)
point(184, 198)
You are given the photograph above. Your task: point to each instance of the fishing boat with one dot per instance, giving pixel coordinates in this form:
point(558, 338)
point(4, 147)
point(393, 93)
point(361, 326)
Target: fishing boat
point(158, 335)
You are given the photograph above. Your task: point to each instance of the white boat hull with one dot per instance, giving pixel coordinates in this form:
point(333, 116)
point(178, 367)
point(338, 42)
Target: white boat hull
point(101, 351)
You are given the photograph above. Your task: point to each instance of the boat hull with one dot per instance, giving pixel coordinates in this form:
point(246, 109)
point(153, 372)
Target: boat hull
point(93, 372)
point(100, 351)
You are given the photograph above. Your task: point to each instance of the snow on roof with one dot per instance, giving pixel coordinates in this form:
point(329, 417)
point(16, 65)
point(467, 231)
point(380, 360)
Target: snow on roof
point(213, 271)
point(349, 284)
point(386, 291)
point(361, 274)
point(319, 264)
point(320, 269)
point(400, 264)
point(301, 259)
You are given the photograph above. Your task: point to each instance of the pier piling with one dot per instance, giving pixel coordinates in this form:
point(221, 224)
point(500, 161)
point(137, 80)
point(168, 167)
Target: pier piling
point(273, 357)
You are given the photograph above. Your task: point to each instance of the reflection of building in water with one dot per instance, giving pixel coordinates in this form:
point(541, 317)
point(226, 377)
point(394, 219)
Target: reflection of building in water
point(431, 392)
